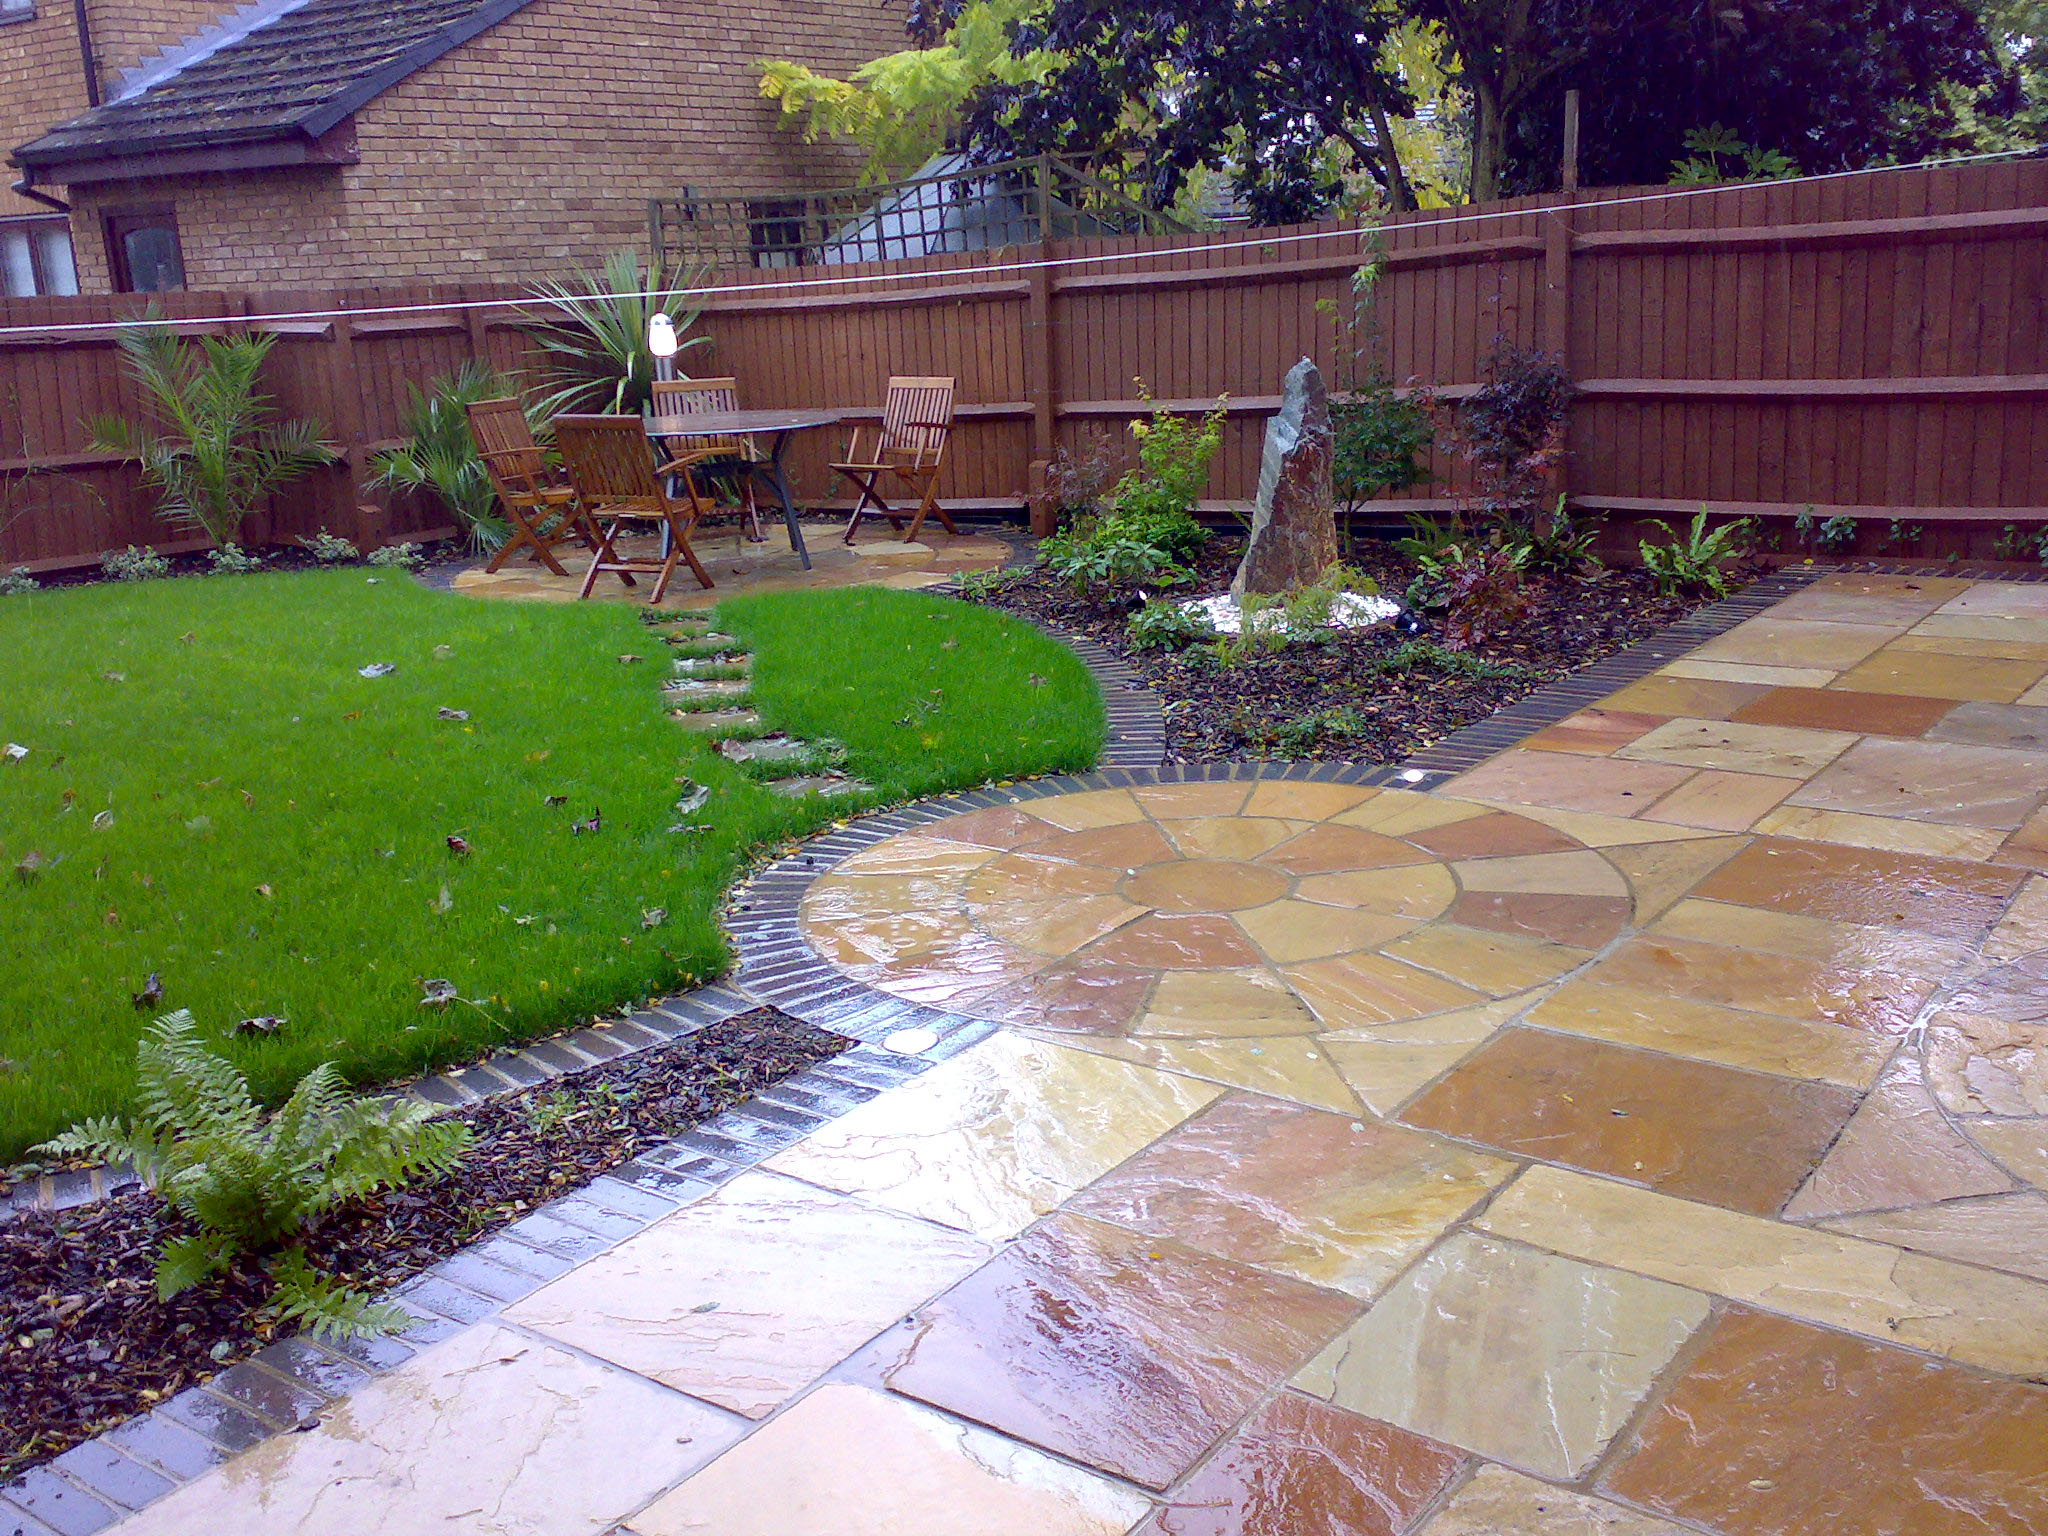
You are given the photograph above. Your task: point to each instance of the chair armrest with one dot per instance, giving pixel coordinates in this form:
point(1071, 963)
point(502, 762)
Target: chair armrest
point(684, 460)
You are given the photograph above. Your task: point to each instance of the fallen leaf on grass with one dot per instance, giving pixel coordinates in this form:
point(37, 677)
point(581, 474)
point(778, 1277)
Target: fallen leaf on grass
point(14, 752)
point(438, 992)
point(115, 677)
point(31, 864)
point(445, 902)
point(112, 919)
point(556, 800)
point(443, 652)
point(459, 846)
point(446, 713)
point(187, 638)
point(102, 821)
point(265, 891)
point(694, 796)
point(376, 669)
point(628, 659)
point(152, 992)
point(595, 824)
point(262, 1024)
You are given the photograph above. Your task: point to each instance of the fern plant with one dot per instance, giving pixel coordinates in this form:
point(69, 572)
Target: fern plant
point(254, 1183)
point(439, 452)
point(1694, 561)
point(597, 357)
point(213, 451)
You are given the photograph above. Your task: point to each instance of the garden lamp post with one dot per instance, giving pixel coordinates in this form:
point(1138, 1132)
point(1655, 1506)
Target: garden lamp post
point(661, 341)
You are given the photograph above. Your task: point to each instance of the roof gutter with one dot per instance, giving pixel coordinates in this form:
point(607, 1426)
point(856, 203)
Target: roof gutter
point(26, 188)
point(87, 63)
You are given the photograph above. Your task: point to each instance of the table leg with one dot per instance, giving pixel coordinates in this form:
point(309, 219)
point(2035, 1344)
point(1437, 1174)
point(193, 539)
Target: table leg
point(773, 470)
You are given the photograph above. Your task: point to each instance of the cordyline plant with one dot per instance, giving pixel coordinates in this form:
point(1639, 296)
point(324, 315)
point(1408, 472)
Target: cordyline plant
point(597, 355)
point(253, 1183)
point(213, 451)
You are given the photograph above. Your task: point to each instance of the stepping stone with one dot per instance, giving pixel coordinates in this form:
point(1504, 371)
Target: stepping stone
point(718, 719)
point(730, 688)
point(765, 749)
point(817, 784)
point(742, 661)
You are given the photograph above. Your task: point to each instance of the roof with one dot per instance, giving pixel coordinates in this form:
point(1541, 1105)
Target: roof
point(275, 70)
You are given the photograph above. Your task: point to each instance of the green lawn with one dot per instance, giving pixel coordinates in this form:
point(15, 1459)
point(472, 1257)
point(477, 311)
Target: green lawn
point(214, 794)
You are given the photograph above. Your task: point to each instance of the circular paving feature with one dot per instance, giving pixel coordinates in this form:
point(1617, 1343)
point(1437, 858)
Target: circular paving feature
point(1218, 910)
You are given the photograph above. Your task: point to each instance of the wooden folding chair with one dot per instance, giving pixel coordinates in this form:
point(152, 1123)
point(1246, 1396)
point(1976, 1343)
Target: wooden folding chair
point(611, 465)
point(733, 458)
point(917, 418)
point(539, 504)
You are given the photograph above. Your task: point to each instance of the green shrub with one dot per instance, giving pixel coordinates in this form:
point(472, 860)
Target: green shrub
point(233, 560)
point(1694, 561)
point(979, 586)
point(1308, 734)
point(17, 581)
point(439, 452)
point(402, 557)
point(214, 452)
point(1174, 454)
point(1381, 439)
point(253, 1184)
point(1168, 627)
point(331, 548)
point(1094, 558)
point(1836, 534)
point(132, 564)
point(1557, 541)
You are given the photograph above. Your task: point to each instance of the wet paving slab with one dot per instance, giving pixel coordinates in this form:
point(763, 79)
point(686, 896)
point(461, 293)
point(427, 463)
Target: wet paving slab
point(1643, 1132)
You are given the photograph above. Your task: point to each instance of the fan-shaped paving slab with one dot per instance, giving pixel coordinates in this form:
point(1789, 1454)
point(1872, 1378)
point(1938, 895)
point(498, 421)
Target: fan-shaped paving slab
point(1220, 911)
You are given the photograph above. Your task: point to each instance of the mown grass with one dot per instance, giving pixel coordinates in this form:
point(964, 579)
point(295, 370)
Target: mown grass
point(214, 794)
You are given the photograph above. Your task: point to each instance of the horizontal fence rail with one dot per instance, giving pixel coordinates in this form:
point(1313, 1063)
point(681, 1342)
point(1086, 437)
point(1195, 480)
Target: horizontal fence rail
point(1872, 346)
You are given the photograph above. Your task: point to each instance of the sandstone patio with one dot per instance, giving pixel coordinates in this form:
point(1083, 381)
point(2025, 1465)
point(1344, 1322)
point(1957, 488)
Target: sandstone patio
point(1643, 1133)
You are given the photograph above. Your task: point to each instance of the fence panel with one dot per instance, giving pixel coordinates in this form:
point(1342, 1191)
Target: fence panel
point(1874, 344)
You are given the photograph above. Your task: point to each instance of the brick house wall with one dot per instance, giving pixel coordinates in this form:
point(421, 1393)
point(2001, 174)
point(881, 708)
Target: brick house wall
point(42, 79)
point(528, 150)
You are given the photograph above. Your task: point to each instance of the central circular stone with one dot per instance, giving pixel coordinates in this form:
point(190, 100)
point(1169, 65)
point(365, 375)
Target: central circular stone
point(1205, 885)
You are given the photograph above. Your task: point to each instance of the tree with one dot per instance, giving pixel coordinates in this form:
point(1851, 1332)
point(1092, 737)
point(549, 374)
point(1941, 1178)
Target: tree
point(1829, 85)
point(1288, 98)
point(903, 107)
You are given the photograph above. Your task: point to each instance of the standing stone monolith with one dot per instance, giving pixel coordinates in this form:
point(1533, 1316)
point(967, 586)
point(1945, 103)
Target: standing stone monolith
point(1294, 523)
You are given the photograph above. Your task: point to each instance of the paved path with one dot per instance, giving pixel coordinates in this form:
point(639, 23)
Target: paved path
point(1644, 1133)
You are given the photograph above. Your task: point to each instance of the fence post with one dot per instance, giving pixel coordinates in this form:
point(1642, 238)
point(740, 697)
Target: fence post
point(370, 521)
point(1557, 319)
point(1039, 383)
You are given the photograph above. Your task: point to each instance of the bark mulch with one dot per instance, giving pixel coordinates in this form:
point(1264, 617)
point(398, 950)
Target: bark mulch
point(84, 1342)
point(1366, 696)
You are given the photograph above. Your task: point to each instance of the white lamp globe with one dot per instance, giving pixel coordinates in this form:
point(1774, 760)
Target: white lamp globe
point(661, 335)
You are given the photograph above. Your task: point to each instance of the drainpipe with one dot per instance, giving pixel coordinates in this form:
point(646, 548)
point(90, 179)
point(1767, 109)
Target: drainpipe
point(22, 188)
point(87, 63)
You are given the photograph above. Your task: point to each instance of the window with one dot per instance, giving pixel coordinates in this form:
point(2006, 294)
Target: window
point(35, 256)
point(17, 10)
point(142, 250)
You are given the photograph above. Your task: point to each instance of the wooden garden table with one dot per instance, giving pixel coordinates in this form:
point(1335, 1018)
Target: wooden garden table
point(777, 426)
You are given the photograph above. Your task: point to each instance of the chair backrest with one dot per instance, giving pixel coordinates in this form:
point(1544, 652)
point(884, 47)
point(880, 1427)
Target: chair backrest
point(500, 426)
point(610, 462)
point(520, 476)
point(695, 397)
point(917, 418)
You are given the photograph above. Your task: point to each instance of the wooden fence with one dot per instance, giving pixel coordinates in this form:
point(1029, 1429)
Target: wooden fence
point(1873, 346)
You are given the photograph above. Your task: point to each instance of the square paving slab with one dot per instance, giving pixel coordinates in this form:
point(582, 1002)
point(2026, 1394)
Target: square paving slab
point(751, 1294)
point(1325, 1198)
point(493, 1433)
point(850, 1461)
point(1942, 782)
point(1518, 1355)
point(1779, 1428)
point(1124, 1352)
point(1300, 1467)
point(1737, 1139)
point(996, 1136)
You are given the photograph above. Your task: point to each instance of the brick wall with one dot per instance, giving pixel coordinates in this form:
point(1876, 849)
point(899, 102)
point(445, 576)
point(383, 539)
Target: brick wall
point(42, 80)
point(41, 83)
point(527, 151)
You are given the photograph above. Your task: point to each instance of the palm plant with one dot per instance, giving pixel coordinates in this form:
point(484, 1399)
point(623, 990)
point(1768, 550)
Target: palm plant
point(254, 1184)
point(439, 454)
point(597, 355)
point(213, 451)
